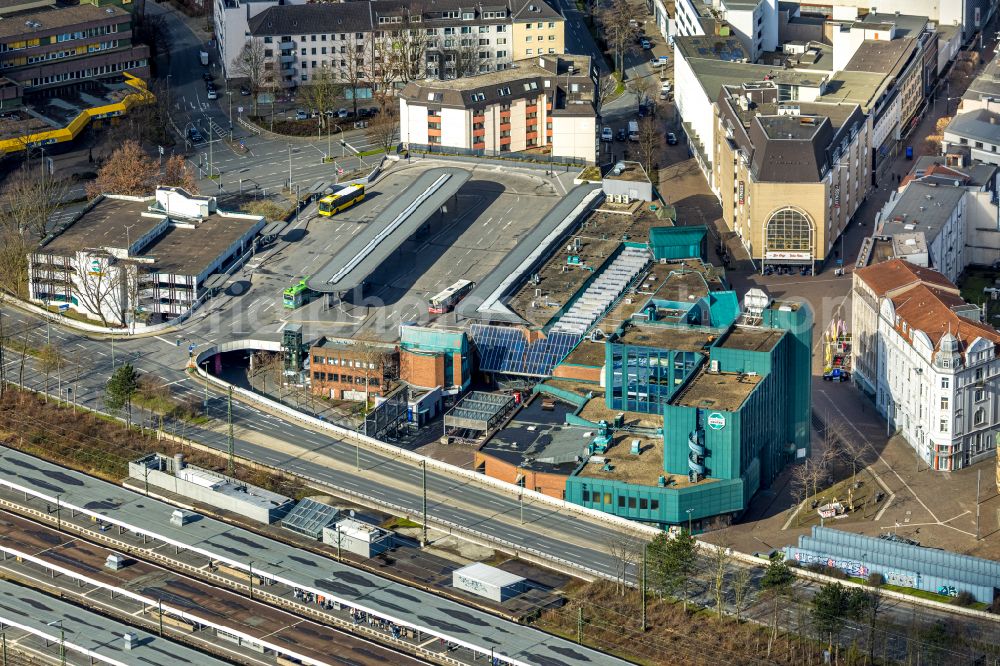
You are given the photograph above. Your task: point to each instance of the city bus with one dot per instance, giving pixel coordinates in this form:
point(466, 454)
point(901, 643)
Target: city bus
point(449, 298)
point(295, 295)
point(340, 200)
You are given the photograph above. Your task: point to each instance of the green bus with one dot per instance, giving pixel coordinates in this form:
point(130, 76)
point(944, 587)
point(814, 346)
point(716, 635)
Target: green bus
point(295, 295)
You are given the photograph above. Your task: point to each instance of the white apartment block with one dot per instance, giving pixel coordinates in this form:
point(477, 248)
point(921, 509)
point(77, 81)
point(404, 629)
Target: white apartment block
point(753, 22)
point(232, 27)
point(443, 40)
point(928, 361)
point(970, 15)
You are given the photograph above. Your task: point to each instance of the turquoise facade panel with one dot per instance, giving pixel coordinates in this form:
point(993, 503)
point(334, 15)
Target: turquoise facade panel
point(653, 504)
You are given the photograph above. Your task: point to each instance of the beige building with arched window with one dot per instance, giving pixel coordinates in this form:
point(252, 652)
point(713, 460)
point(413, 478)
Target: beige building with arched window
point(790, 174)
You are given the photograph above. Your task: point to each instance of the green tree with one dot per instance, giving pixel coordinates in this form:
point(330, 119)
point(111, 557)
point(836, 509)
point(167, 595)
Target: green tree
point(118, 392)
point(776, 585)
point(671, 563)
point(830, 606)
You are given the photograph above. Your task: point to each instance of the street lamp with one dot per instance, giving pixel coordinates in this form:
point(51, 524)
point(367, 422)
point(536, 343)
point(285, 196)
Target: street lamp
point(250, 565)
point(689, 520)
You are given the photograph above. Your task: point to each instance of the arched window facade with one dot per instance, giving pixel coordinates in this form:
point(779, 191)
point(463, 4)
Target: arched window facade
point(789, 230)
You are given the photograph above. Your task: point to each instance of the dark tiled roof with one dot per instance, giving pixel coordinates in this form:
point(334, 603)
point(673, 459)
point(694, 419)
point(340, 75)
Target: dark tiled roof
point(316, 18)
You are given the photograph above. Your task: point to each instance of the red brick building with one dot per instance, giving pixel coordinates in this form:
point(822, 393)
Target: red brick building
point(352, 369)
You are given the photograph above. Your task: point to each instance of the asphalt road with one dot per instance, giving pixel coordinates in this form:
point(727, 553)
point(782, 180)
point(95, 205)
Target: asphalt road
point(496, 516)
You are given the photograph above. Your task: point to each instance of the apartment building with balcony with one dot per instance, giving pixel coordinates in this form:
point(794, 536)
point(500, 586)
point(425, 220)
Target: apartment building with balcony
point(445, 40)
point(128, 260)
point(929, 362)
point(548, 103)
point(60, 45)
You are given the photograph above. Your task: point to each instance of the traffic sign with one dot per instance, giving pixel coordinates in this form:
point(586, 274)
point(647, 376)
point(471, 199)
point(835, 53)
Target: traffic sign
point(239, 109)
point(63, 307)
point(190, 348)
point(161, 149)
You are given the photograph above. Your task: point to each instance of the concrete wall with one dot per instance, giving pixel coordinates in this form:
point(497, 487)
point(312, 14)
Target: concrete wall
point(982, 229)
point(456, 128)
point(695, 107)
point(575, 136)
point(204, 495)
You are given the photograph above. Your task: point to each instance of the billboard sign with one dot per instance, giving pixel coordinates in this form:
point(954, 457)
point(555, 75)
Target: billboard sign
point(804, 256)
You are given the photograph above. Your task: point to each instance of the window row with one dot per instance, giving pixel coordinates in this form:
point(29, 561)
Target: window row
point(623, 502)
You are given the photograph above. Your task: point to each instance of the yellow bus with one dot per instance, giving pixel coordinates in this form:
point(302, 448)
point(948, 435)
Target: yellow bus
point(341, 200)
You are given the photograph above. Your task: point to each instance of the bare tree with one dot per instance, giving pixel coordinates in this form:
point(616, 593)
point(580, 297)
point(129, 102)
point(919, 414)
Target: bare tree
point(408, 47)
point(374, 361)
point(649, 141)
point(468, 58)
point(383, 129)
point(177, 173)
point(854, 453)
point(626, 551)
point(50, 360)
point(269, 365)
point(379, 70)
point(643, 88)
point(353, 69)
point(742, 584)
point(251, 63)
point(618, 30)
point(321, 94)
point(153, 30)
point(721, 561)
point(800, 481)
point(27, 202)
point(30, 197)
point(129, 171)
point(606, 85)
point(99, 284)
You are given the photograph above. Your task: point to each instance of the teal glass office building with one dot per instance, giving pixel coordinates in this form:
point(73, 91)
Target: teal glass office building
point(735, 396)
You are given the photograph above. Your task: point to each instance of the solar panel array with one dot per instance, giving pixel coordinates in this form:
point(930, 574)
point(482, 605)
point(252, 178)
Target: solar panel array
point(507, 350)
point(603, 291)
point(309, 517)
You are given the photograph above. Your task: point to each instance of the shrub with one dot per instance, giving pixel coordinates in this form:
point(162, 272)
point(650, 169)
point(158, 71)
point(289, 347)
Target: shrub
point(964, 598)
point(875, 579)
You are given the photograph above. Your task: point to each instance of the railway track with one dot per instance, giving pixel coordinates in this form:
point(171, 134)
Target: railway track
point(232, 625)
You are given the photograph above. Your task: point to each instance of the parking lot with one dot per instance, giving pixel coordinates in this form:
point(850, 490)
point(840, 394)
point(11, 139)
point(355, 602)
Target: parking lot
point(494, 209)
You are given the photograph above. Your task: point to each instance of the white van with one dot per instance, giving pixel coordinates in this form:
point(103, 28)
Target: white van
point(633, 130)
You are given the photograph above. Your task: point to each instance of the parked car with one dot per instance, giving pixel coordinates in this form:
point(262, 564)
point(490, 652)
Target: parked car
point(671, 139)
point(244, 90)
point(620, 135)
point(212, 94)
point(194, 135)
point(645, 43)
point(666, 87)
point(207, 76)
point(606, 134)
point(343, 113)
point(301, 114)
